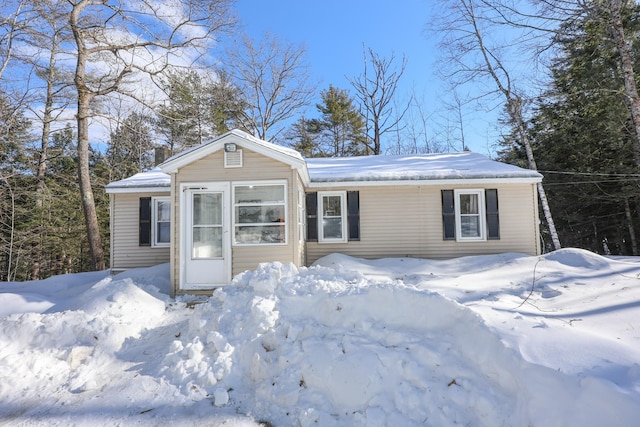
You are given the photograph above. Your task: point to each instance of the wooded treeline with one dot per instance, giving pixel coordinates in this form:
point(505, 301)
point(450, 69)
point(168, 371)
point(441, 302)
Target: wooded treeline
point(166, 78)
point(584, 135)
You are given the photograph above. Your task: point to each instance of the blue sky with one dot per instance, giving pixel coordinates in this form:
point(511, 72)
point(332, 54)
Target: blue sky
point(334, 31)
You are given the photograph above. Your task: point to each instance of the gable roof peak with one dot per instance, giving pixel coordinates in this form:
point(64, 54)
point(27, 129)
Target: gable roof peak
point(243, 140)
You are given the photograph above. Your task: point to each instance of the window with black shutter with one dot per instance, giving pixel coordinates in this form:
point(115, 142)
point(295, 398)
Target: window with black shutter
point(340, 208)
point(467, 217)
point(144, 222)
point(312, 216)
point(448, 215)
point(493, 219)
point(353, 214)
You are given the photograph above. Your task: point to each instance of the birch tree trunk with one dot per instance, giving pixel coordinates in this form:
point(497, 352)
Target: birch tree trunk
point(514, 108)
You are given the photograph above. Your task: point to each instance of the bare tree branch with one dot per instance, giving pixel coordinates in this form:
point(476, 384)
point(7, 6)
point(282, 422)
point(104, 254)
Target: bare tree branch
point(376, 92)
point(275, 82)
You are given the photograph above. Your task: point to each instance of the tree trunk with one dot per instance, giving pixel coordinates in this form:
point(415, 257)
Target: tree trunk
point(515, 112)
point(46, 125)
point(84, 112)
point(630, 227)
point(84, 178)
point(626, 62)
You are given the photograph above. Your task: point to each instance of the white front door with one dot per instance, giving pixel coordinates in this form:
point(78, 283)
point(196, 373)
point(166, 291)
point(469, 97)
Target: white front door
point(206, 244)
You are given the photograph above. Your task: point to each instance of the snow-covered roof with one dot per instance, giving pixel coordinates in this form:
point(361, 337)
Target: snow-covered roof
point(153, 180)
point(419, 167)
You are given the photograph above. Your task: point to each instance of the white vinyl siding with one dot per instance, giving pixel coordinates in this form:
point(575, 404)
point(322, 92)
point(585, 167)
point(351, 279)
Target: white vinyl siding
point(406, 221)
point(126, 251)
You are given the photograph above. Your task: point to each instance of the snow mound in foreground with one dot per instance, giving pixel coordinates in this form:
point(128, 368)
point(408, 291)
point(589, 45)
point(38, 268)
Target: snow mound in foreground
point(317, 347)
point(346, 342)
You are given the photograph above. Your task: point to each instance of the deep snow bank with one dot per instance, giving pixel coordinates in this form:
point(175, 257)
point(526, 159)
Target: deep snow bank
point(326, 347)
point(349, 342)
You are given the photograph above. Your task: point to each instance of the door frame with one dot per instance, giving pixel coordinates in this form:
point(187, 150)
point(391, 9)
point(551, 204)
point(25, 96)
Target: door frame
point(185, 228)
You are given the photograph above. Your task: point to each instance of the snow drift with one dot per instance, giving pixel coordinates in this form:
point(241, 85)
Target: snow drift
point(505, 340)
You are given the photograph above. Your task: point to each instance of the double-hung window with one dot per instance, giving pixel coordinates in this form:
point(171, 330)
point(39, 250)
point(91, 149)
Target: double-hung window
point(160, 221)
point(260, 213)
point(470, 216)
point(332, 221)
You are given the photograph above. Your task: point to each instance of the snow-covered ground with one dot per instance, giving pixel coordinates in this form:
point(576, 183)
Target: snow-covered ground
point(505, 340)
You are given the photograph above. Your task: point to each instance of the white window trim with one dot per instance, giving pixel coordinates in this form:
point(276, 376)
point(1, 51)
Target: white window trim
point(343, 214)
point(481, 212)
point(233, 211)
point(154, 221)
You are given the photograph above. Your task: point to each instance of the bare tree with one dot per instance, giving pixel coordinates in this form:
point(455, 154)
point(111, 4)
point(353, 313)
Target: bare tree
point(126, 39)
point(274, 81)
point(11, 27)
point(375, 89)
point(47, 32)
point(466, 26)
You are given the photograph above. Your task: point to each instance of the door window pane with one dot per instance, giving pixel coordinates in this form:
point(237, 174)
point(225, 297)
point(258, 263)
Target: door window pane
point(207, 209)
point(207, 226)
point(207, 242)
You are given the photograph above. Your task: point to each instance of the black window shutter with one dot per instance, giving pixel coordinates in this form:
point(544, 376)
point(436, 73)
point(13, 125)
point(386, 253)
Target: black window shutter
point(144, 233)
point(353, 214)
point(493, 219)
point(448, 215)
point(312, 216)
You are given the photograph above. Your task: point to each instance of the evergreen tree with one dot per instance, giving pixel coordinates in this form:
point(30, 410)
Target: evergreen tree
point(183, 120)
point(341, 127)
point(584, 136)
point(303, 138)
point(339, 131)
point(199, 107)
point(131, 147)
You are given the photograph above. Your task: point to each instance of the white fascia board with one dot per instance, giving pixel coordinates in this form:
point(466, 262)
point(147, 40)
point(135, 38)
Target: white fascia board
point(122, 190)
point(424, 182)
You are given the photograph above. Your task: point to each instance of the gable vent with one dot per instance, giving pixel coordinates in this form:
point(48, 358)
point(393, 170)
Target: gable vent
point(233, 159)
